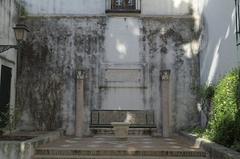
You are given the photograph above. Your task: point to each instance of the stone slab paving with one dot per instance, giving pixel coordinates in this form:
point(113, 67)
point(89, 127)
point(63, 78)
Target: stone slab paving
point(133, 143)
point(109, 146)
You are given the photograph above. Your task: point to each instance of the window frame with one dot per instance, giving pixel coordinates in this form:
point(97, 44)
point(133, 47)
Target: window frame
point(124, 7)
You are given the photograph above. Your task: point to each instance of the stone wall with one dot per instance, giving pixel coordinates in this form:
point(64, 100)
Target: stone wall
point(59, 46)
point(47, 80)
point(168, 43)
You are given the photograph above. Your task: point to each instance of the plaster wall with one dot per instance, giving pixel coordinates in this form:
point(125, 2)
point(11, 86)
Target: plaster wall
point(219, 53)
point(166, 7)
point(62, 7)
point(97, 7)
point(8, 14)
point(122, 40)
point(59, 46)
point(122, 49)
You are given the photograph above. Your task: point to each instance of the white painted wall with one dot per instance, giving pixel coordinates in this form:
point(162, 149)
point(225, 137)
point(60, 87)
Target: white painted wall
point(166, 7)
point(7, 37)
point(63, 7)
point(219, 53)
point(96, 7)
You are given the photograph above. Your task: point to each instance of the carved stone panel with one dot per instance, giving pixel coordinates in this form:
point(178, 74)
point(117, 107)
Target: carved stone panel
point(123, 78)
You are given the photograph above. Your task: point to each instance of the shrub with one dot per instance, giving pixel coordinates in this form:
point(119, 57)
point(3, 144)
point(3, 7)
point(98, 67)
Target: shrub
point(224, 124)
point(205, 94)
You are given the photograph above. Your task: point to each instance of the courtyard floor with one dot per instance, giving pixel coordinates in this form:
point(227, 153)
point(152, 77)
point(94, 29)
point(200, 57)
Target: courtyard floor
point(109, 147)
point(133, 143)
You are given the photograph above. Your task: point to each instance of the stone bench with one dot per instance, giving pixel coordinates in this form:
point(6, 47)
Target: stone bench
point(121, 129)
point(136, 118)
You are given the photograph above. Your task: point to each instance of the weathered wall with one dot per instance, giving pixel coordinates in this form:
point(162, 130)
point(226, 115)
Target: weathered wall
point(219, 52)
point(61, 45)
point(47, 80)
point(8, 14)
point(168, 43)
point(93, 7)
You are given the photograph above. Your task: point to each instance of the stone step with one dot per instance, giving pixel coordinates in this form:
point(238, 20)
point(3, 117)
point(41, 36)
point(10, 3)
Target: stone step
point(131, 131)
point(126, 153)
point(110, 157)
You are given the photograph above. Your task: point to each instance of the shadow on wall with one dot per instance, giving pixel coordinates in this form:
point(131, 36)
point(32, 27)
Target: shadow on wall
point(218, 54)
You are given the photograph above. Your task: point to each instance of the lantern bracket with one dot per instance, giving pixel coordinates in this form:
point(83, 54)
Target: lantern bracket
point(4, 48)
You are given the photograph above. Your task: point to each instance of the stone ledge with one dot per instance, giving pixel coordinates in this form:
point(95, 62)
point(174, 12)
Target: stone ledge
point(215, 150)
point(126, 153)
point(131, 131)
point(108, 157)
point(25, 149)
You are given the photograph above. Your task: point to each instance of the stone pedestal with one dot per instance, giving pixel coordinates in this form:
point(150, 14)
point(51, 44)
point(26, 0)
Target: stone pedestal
point(80, 104)
point(165, 102)
point(121, 129)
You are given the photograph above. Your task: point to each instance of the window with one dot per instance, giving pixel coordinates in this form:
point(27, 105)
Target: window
point(125, 6)
point(5, 93)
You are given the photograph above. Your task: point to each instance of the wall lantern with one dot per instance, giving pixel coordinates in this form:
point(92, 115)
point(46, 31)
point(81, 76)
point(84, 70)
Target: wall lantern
point(21, 32)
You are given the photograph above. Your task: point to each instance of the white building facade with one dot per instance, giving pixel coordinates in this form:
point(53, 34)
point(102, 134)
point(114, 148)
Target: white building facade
point(8, 59)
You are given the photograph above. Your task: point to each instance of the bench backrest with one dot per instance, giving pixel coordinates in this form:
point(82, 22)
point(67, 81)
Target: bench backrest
point(137, 118)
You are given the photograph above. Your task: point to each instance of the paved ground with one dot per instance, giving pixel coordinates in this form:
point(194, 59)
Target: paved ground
point(133, 143)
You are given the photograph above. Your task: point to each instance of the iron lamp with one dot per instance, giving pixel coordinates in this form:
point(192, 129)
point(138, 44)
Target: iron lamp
point(21, 32)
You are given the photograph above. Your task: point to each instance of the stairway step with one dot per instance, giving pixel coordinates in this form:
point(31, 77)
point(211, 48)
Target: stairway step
point(131, 131)
point(110, 157)
point(154, 153)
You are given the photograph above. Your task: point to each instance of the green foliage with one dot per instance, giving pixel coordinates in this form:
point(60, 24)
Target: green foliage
point(224, 125)
point(206, 92)
point(199, 132)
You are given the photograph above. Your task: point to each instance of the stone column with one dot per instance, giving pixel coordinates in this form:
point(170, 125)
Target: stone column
point(80, 104)
point(165, 102)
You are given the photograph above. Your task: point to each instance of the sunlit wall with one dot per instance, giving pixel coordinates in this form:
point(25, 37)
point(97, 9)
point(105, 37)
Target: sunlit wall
point(219, 51)
point(97, 7)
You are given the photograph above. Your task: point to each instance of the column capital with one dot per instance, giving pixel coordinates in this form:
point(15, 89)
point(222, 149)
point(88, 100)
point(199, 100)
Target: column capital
point(165, 75)
point(81, 74)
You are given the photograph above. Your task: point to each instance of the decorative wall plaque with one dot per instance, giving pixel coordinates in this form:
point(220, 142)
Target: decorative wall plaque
point(130, 78)
point(123, 75)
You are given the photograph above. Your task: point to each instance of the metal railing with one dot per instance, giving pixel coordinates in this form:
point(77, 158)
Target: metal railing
point(126, 6)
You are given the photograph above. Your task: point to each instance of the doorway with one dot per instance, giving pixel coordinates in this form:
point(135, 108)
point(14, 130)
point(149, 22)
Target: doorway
point(5, 92)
